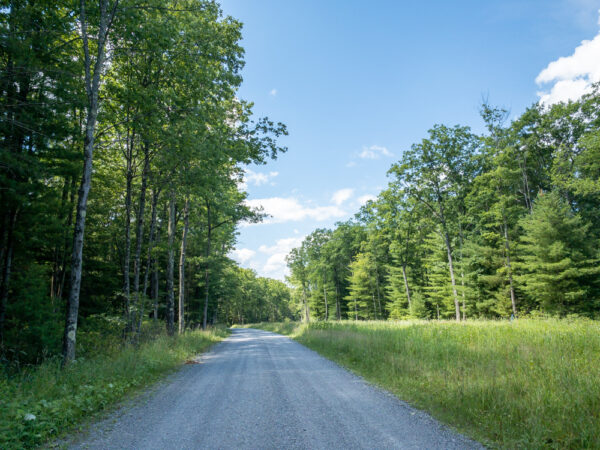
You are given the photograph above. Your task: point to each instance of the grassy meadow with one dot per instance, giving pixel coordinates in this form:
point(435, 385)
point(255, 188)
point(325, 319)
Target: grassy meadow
point(44, 402)
point(522, 384)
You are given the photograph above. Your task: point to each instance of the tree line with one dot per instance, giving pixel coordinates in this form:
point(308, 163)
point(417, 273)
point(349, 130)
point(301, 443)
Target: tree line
point(122, 147)
point(496, 225)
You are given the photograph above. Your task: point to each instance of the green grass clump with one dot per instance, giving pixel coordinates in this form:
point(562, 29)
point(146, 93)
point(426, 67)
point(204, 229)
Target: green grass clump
point(44, 402)
point(525, 384)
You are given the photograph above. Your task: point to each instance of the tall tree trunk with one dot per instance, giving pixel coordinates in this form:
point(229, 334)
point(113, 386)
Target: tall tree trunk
point(206, 270)
point(150, 262)
point(186, 223)
point(127, 256)
point(139, 237)
point(92, 87)
point(306, 308)
point(170, 265)
point(509, 269)
point(452, 278)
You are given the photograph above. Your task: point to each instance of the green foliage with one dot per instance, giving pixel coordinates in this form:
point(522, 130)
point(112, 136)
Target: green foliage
point(171, 131)
point(502, 224)
point(249, 298)
point(34, 327)
point(559, 263)
point(361, 292)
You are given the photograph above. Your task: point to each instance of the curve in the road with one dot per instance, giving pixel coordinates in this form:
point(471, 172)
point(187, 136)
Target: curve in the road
point(262, 390)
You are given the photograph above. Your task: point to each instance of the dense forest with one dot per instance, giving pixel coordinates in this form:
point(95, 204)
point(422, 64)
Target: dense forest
point(506, 224)
point(122, 148)
point(123, 144)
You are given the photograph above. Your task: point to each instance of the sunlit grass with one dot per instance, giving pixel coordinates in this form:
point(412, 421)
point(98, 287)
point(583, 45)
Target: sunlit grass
point(525, 384)
point(45, 401)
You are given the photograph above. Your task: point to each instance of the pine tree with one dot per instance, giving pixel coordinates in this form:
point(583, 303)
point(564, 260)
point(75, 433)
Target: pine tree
point(361, 297)
point(559, 265)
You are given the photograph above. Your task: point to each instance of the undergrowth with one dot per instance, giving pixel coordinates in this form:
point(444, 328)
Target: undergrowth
point(42, 402)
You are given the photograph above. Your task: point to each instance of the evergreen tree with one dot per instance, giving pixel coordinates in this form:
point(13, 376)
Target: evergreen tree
point(559, 266)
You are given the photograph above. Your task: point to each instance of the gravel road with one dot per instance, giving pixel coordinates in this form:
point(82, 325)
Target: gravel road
point(262, 390)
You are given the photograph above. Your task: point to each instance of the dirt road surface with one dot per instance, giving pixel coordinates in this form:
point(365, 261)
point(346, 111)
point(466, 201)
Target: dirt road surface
point(260, 390)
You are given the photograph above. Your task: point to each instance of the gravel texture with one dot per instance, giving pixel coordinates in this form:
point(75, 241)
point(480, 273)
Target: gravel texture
point(260, 390)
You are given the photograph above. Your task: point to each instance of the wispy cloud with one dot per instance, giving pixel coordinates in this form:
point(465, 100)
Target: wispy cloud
point(289, 209)
point(570, 77)
point(374, 152)
point(242, 255)
point(273, 92)
point(256, 178)
point(276, 266)
point(342, 195)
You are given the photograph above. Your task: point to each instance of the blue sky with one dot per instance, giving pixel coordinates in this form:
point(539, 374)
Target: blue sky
point(358, 82)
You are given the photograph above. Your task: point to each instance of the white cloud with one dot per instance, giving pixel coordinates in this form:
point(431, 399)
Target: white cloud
point(289, 209)
point(242, 255)
point(256, 178)
point(276, 266)
point(374, 152)
point(571, 76)
point(273, 92)
point(282, 245)
point(351, 164)
point(365, 198)
point(341, 196)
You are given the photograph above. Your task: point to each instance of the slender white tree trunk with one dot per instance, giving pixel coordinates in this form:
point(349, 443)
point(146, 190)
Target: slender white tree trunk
point(92, 87)
point(181, 309)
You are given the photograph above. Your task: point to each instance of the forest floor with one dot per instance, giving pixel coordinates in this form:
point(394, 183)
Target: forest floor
point(44, 402)
point(262, 390)
point(520, 384)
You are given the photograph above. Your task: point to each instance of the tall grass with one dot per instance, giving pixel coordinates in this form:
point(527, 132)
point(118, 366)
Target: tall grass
point(44, 401)
point(525, 384)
